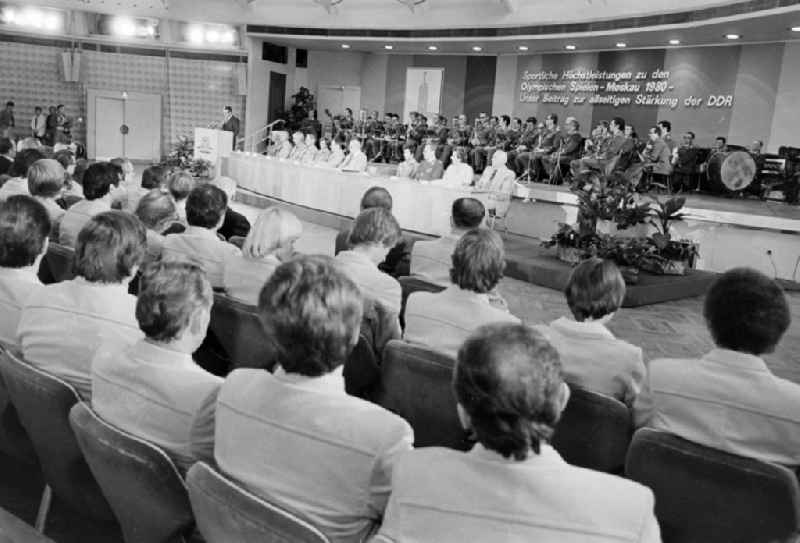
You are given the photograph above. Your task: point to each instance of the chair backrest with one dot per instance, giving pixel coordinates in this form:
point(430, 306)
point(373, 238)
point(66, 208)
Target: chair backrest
point(594, 431)
point(226, 513)
point(706, 495)
point(14, 440)
point(239, 331)
point(410, 284)
point(43, 402)
point(14, 530)
point(417, 386)
point(140, 481)
point(56, 265)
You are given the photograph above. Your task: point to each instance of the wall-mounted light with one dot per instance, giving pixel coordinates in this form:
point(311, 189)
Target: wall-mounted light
point(570, 47)
point(674, 42)
point(622, 44)
point(210, 35)
point(39, 19)
point(523, 47)
point(732, 36)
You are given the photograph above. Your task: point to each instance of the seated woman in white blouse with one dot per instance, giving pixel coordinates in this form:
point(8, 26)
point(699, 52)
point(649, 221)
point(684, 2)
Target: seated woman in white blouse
point(459, 174)
point(270, 242)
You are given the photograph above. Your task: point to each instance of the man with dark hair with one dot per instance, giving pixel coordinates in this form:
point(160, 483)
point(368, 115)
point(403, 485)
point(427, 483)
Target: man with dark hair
point(153, 389)
point(18, 183)
point(231, 123)
point(374, 233)
point(38, 123)
point(432, 259)
point(180, 184)
point(6, 155)
point(205, 213)
point(153, 178)
point(665, 133)
point(512, 485)
point(657, 156)
point(431, 168)
point(617, 147)
point(310, 447)
point(7, 120)
point(443, 320)
point(593, 359)
point(63, 324)
point(98, 181)
point(24, 229)
point(685, 160)
point(398, 261)
point(729, 399)
point(51, 126)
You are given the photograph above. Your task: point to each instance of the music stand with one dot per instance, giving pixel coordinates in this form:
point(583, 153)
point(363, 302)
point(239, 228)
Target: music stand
point(556, 173)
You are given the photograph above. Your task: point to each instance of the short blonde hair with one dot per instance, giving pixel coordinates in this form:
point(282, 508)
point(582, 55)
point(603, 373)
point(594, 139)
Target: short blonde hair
point(274, 228)
point(46, 178)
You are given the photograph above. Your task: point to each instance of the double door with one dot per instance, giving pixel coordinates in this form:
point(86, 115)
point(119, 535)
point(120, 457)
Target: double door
point(123, 124)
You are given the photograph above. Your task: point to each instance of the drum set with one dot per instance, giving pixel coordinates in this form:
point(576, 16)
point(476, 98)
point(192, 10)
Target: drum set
point(737, 171)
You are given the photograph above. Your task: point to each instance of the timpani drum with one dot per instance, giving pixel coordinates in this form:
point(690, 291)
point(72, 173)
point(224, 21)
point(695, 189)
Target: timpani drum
point(733, 170)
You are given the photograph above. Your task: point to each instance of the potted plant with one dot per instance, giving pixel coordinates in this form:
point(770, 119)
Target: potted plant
point(571, 244)
point(182, 158)
point(669, 257)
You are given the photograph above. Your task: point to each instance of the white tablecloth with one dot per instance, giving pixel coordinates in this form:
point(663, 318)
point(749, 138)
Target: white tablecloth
point(420, 207)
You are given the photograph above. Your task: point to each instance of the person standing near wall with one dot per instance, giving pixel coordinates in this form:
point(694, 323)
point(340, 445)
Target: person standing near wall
point(7, 120)
point(231, 124)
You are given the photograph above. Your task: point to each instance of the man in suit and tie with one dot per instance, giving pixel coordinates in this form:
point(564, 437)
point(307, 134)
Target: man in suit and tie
point(231, 124)
point(549, 142)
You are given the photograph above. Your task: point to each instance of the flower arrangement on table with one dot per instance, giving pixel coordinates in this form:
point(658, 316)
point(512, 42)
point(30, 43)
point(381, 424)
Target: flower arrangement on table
point(610, 198)
point(182, 158)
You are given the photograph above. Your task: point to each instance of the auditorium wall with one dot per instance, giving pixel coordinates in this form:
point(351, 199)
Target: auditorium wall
point(193, 90)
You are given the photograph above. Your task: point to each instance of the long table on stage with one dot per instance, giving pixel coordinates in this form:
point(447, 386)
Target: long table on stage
point(418, 207)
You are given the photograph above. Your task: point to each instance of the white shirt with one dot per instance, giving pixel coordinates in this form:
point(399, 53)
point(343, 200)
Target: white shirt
point(16, 286)
point(305, 444)
point(433, 259)
point(76, 218)
point(407, 168)
point(156, 394)
point(593, 359)
point(13, 187)
point(244, 277)
point(39, 124)
point(355, 162)
point(202, 245)
point(63, 324)
point(457, 175)
point(372, 282)
point(443, 495)
point(443, 320)
point(725, 400)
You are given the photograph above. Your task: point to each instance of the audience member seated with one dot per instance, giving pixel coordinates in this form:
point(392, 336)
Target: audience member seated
point(433, 259)
point(310, 156)
point(615, 146)
point(408, 167)
point(398, 261)
point(205, 213)
point(18, 182)
point(498, 181)
point(98, 181)
point(337, 152)
point(180, 185)
point(63, 324)
point(430, 168)
point(129, 190)
point(443, 320)
point(7, 153)
point(235, 224)
point(356, 160)
point(657, 156)
point(592, 358)
point(153, 389)
point(299, 146)
point(374, 233)
point(158, 213)
point(459, 174)
point(729, 399)
point(73, 190)
point(24, 227)
point(46, 183)
point(152, 178)
point(295, 437)
point(322, 156)
point(512, 485)
point(270, 242)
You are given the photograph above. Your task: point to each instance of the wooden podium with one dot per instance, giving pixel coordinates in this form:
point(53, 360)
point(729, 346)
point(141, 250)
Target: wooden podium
point(213, 145)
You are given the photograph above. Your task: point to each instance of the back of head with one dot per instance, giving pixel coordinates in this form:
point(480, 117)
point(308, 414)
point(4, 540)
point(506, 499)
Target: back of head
point(595, 289)
point(98, 180)
point(746, 311)
point(375, 226)
point(205, 206)
point(508, 380)
point(171, 293)
point(6, 145)
point(46, 178)
point(468, 213)
point(478, 261)
point(65, 158)
point(180, 185)
point(81, 165)
point(153, 177)
point(312, 313)
point(110, 247)
point(620, 122)
point(376, 197)
point(24, 160)
point(24, 227)
point(274, 228)
point(157, 210)
point(226, 185)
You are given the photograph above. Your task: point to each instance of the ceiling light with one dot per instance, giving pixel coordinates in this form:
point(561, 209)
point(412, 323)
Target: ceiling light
point(123, 26)
point(674, 42)
point(621, 44)
point(388, 47)
point(196, 34)
point(212, 36)
point(523, 47)
point(9, 15)
point(732, 36)
point(432, 48)
point(228, 37)
point(477, 49)
point(796, 29)
point(570, 47)
point(345, 46)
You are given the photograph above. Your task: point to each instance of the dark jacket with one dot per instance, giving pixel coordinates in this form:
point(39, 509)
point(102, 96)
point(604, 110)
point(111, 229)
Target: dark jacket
point(398, 261)
point(235, 224)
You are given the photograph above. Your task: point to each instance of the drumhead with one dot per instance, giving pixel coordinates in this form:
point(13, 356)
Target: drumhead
point(738, 170)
